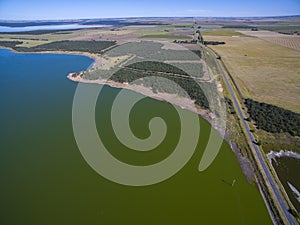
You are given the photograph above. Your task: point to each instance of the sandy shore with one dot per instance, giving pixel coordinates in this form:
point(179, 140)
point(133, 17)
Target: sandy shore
point(174, 99)
point(184, 103)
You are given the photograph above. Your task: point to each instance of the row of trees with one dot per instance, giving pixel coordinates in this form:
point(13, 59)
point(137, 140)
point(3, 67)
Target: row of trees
point(272, 118)
point(10, 44)
point(140, 70)
point(156, 67)
point(80, 46)
point(214, 43)
point(198, 53)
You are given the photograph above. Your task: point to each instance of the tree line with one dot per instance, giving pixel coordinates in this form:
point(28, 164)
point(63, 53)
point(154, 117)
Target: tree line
point(214, 43)
point(272, 118)
point(150, 68)
point(80, 46)
point(10, 44)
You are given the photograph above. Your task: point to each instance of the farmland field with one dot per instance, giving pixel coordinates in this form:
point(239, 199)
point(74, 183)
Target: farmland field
point(167, 36)
point(264, 71)
point(222, 32)
point(290, 41)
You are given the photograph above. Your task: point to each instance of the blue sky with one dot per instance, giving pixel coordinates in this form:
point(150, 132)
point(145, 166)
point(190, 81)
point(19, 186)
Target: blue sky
point(69, 9)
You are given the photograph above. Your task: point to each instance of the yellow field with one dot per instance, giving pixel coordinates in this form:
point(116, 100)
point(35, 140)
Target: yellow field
point(290, 41)
point(264, 71)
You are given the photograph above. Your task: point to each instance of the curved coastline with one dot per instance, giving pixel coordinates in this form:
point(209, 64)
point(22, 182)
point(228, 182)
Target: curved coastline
point(87, 54)
point(273, 155)
point(184, 103)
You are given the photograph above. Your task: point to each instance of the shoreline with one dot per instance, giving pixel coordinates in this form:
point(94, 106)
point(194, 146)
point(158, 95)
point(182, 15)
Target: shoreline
point(183, 103)
point(289, 154)
point(281, 154)
point(188, 104)
point(87, 54)
point(173, 99)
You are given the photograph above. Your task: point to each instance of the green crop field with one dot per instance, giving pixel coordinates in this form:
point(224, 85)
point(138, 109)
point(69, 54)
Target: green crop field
point(221, 32)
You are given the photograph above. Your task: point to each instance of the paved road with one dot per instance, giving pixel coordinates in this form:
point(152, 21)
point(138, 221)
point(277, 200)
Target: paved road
point(274, 187)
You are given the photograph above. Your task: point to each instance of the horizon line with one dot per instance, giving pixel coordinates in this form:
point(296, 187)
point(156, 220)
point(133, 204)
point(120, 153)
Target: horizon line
point(149, 17)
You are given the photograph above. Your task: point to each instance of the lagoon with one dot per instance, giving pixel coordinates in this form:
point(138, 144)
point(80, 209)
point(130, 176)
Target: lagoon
point(45, 180)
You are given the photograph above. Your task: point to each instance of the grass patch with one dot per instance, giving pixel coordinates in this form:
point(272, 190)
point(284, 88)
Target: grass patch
point(278, 142)
point(285, 29)
point(182, 25)
point(222, 32)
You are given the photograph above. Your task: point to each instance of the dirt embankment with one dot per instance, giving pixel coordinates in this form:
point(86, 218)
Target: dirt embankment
point(184, 103)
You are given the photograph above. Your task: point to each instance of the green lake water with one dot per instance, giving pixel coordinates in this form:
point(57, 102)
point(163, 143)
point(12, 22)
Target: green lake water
point(45, 180)
point(287, 170)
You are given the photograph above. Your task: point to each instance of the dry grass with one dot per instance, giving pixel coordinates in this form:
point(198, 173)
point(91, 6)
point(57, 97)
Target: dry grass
point(30, 40)
point(264, 71)
point(289, 41)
